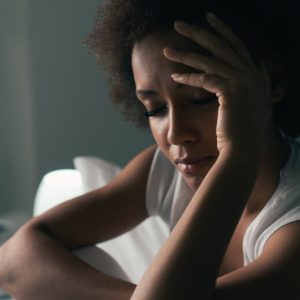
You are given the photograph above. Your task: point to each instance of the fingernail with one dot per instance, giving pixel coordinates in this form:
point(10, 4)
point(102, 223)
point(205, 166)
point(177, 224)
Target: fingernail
point(180, 25)
point(176, 76)
point(167, 51)
point(172, 51)
point(211, 16)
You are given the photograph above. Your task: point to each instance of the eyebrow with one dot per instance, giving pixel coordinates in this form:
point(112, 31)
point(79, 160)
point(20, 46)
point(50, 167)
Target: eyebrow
point(153, 92)
point(146, 92)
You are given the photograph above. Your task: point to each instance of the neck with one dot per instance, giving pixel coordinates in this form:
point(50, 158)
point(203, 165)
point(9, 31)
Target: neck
point(274, 158)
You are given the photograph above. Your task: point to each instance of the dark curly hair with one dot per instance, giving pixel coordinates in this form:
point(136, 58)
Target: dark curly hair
point(270, 30)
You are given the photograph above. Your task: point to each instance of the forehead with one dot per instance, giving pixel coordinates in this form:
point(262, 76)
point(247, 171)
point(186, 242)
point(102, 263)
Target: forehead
point(149, 64)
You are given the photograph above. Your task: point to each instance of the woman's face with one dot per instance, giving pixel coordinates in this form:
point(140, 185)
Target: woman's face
point(183, 126)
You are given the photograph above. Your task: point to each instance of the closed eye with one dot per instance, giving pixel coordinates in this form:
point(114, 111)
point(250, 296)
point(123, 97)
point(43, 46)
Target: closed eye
point(154, 112)
point(162, 109)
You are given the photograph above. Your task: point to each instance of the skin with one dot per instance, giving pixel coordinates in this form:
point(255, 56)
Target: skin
point(191, 264)
point(236, 132)
point(47, 240)
point(187, 128)
point(190, 129)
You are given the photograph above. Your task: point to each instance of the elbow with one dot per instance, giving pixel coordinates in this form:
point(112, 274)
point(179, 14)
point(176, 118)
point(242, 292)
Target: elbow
point(12, 260)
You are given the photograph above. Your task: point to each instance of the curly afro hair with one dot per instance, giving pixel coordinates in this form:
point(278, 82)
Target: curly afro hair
point(270, 30)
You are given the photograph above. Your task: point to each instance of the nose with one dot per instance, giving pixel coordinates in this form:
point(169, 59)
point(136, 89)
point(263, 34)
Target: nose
point(181, 129)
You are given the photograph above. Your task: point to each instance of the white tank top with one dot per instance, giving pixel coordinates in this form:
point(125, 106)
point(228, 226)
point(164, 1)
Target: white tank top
point(168, 195)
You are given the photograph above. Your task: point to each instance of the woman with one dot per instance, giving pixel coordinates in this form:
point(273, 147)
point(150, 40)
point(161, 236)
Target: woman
point(219, 96)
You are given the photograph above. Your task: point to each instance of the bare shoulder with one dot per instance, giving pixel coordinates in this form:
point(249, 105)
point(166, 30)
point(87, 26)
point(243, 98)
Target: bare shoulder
point(103, 213)
point(283, 248)
point(137, 168)
point(274, 275)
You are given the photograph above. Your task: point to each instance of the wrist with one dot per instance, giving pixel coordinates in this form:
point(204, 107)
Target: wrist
point(244, 151)
point(240, 159)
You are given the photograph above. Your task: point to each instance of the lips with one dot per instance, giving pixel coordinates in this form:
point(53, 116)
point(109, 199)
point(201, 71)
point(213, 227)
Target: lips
point(191, 166)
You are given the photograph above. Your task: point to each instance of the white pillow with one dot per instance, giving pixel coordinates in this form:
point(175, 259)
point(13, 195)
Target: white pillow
point(56, 187)
point(95, 172)
point(134, 250)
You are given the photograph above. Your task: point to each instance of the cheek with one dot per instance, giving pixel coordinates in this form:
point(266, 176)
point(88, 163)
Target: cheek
point(159, 131)
point(205, 121)
point(201, 121)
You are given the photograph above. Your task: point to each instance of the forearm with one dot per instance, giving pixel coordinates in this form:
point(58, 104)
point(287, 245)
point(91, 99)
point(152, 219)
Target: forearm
point(34, 266)
point(187, 265)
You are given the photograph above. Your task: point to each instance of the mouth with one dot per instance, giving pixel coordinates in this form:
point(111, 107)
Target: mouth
point(193, 167)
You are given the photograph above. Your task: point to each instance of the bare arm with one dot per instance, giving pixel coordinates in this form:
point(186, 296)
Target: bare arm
point(187, 265)
point(191, 257)
point(36, 266)
point(274, 275)
point(37, 262)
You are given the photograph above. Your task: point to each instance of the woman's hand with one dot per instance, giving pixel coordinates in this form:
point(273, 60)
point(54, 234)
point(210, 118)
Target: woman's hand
point(242, 88)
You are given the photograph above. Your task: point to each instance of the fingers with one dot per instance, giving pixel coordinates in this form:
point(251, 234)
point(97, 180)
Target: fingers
point(230, 61)
point(218, 47)
point(211, 83)
point(201, 62)
point(233, 40)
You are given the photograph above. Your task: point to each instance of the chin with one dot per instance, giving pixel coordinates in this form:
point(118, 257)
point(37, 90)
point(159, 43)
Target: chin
point(194, 182)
